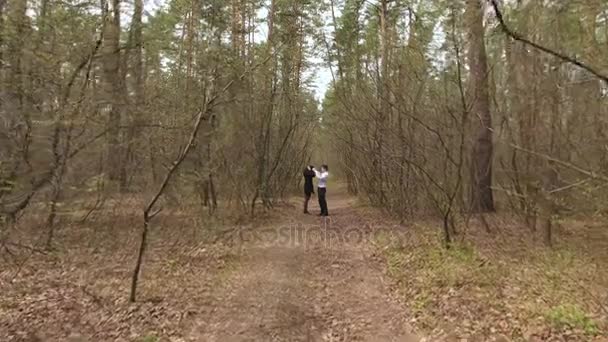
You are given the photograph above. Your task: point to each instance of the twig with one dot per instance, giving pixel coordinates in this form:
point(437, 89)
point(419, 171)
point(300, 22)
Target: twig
point(29, 248)
point(156, 212)
point(570, 186)
point(590, 174)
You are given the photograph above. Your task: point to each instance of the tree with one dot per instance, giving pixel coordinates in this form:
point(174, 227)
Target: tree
point(482, 199)
point(114, 90)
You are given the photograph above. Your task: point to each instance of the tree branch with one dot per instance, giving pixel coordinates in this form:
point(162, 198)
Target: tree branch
point(590, 174)
point(148, 213)
point(572, 60)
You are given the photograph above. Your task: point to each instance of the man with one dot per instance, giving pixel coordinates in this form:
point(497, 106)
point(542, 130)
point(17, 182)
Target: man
point(322, 188)
point(309, 174)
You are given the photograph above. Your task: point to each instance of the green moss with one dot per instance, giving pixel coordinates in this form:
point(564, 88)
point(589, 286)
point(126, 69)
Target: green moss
point(463, 253)
point(457, 266)
point(421, 301)
point(572, 316)
point(149, 338)
point(395, 260)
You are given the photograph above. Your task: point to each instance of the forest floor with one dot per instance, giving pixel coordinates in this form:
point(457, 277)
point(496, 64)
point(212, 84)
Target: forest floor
point(355, 276)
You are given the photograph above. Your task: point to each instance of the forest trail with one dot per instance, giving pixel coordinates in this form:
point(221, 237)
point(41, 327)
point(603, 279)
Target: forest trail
point(293, 277)
point(307, 279)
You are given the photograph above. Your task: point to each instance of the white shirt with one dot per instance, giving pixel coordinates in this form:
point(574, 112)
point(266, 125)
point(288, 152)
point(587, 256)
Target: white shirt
point(322, 178)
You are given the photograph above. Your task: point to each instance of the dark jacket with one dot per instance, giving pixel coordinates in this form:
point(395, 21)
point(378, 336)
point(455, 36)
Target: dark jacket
point(308, 186)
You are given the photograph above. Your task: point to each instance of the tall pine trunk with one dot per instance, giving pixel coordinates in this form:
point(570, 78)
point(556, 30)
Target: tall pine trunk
point(111, 68)
point(482, 199)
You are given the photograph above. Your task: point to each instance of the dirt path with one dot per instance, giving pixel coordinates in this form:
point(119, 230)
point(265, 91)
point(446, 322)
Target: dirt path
point(307, 279)
point(303, 278)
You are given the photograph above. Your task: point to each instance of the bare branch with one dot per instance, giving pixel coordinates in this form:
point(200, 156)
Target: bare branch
point(590, 174)
point(203, 115)
point(572, 60)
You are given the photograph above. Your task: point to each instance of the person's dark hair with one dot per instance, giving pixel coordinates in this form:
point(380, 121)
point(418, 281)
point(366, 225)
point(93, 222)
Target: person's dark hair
point(325, 167)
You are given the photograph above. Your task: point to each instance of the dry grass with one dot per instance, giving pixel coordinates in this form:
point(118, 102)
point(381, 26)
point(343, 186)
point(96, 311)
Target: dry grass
point(505, 282)
point(81, 284)
point(487, 285)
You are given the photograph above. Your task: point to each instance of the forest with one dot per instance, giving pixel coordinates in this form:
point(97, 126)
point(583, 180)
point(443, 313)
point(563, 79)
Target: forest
point(151, 159)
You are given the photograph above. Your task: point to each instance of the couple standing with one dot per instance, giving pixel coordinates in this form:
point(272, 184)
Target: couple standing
point(309, 173)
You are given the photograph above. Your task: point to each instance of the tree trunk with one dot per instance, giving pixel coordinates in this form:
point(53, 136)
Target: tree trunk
point(14, 151)
point(2, 5)
point(482, 199)
point(111, 67)
point(384, 95)
point(263, 143)
point(135, 45)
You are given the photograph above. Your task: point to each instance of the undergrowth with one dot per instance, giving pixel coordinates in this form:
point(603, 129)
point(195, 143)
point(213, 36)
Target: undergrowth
point(570, 316)
point(149, 338)
point(494, 291)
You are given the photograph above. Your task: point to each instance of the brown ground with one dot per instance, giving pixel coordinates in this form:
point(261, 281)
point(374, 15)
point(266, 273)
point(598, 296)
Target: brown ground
point(296, 277)
point(307, 284)
point(302, 278)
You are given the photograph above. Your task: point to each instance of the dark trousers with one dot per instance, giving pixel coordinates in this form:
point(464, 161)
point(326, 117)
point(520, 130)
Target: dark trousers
point(306, 199)
point(322, 200)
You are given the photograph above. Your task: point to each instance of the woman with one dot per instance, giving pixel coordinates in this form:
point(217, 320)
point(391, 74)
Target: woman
point(309, 174)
